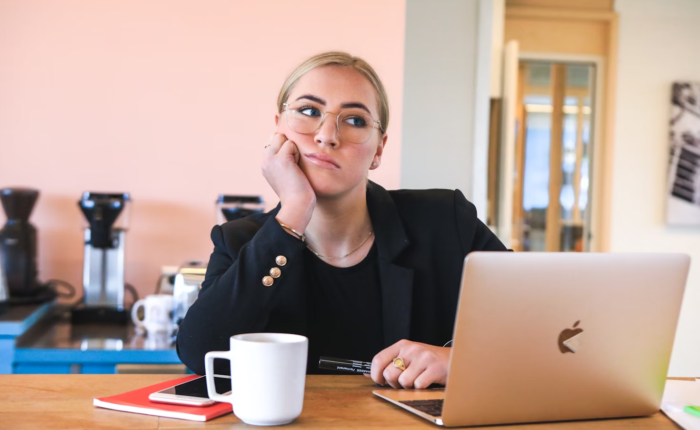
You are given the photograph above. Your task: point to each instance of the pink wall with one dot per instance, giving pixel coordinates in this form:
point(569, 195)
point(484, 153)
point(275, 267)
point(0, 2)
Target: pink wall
point(172, 101)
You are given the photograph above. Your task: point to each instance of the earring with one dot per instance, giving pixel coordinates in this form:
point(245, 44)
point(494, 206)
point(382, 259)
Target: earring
point(374, 164)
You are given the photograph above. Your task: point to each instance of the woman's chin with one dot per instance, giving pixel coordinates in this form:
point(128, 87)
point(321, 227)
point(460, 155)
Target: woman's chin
point(328, 188)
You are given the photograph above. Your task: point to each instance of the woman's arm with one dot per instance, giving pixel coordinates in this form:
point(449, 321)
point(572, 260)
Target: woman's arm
point(233, 299)
point(486, 240)
point(429, 364)
point(473, 233)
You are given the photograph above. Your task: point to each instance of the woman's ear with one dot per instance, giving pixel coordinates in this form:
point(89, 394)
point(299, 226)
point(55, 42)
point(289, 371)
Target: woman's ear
point(277, 119)
point(377, 159)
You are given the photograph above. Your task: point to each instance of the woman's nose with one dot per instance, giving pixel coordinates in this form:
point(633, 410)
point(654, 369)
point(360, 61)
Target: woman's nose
point(327, 134)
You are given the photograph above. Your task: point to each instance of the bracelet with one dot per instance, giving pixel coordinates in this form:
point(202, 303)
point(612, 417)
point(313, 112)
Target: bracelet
point(300, 236)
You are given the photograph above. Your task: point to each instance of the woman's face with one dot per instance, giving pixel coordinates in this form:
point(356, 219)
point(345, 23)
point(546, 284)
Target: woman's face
point(333, 164)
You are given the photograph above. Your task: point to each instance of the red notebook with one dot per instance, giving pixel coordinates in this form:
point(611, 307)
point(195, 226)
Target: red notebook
point(137, 401)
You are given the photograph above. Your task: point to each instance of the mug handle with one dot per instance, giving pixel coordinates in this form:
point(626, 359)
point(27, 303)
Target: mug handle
point(134, 313)
point(209, 372)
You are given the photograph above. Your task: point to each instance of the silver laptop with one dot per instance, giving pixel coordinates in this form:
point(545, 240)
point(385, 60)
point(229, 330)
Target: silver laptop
point(557, 336)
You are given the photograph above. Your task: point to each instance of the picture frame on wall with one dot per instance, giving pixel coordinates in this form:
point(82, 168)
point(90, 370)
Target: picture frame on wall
point(683, 202)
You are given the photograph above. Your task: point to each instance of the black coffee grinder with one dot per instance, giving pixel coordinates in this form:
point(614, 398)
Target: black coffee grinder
point(18, 248)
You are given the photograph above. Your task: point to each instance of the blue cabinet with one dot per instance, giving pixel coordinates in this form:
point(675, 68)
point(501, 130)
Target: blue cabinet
point(13, 323)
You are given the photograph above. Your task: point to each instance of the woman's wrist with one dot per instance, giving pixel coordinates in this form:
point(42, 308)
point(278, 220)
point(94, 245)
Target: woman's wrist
point(292, 231)
point(296, 218)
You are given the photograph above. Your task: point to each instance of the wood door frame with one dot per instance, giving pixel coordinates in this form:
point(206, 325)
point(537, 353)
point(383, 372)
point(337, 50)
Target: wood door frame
point(603, 51)
point(511, 58)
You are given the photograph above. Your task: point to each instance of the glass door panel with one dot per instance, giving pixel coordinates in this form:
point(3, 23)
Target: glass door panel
point(553, 157)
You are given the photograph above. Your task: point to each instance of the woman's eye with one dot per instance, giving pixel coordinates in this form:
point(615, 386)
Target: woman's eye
point(309, 111)
point(356, 121)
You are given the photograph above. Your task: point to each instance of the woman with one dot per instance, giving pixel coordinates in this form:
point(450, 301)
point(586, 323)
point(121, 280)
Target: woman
point(364, 273)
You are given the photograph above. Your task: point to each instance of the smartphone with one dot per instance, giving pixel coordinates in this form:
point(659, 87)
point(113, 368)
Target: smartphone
point(192, 393)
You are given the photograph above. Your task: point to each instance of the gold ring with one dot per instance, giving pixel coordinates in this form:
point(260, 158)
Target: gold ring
point(266, 146)
point(399, 364)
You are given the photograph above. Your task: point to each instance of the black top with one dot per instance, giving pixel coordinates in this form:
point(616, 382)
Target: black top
point(345, 310)
point(421, 236)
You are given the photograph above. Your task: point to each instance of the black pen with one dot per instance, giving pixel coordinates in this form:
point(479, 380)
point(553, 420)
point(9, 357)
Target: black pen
point(344, 365)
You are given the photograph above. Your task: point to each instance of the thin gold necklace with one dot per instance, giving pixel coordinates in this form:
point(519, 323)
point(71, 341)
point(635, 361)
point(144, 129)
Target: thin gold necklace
point(339, 258)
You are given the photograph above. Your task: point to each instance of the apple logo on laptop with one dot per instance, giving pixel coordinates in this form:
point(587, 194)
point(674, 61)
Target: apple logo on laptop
point(570, 339)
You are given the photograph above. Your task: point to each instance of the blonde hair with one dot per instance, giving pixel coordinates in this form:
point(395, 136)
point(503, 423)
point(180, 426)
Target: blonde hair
point(342, 59)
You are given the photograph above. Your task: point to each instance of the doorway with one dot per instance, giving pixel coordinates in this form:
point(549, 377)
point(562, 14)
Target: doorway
point(553, 156)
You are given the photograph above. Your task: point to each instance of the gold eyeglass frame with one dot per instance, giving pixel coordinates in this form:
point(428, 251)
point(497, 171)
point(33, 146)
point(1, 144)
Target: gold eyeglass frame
point(375, 124)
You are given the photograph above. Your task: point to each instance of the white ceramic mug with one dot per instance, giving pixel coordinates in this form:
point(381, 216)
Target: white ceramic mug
point(156, 313)
point(268, 375)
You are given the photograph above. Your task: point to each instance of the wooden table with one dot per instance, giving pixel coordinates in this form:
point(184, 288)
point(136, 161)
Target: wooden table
point(331, 402)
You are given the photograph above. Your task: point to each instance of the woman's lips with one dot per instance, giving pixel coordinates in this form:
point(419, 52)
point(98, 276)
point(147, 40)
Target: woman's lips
point(322, 160)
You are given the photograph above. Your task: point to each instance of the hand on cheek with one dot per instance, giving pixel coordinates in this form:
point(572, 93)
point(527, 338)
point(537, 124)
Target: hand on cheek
point(281, 170)
point(425, 365)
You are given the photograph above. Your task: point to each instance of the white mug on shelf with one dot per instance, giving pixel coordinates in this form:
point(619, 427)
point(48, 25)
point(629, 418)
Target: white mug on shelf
point(268, 374)
point(156, 313)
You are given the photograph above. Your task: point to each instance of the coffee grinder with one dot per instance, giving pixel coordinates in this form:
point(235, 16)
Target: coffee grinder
point(18, 248)
point(103, 264)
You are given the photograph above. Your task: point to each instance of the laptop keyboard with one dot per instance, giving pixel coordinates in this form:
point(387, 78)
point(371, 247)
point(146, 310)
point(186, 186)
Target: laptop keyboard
point(431, 407)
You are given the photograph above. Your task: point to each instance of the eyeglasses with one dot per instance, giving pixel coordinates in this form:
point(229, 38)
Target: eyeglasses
point(353, 125)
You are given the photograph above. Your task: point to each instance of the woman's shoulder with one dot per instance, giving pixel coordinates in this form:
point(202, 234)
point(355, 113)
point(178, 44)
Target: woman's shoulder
point(431, 200)
point(251, 222)
point(441, 215)
point(436, 210)
point(238, 232)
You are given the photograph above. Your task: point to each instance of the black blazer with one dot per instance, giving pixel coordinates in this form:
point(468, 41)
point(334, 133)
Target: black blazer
point(422, 238)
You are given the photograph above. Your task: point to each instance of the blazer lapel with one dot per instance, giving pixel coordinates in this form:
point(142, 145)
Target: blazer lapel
point(396, 281)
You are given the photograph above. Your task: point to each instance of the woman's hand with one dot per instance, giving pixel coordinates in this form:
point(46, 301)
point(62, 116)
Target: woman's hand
point(425, 365)
point(281, 170)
